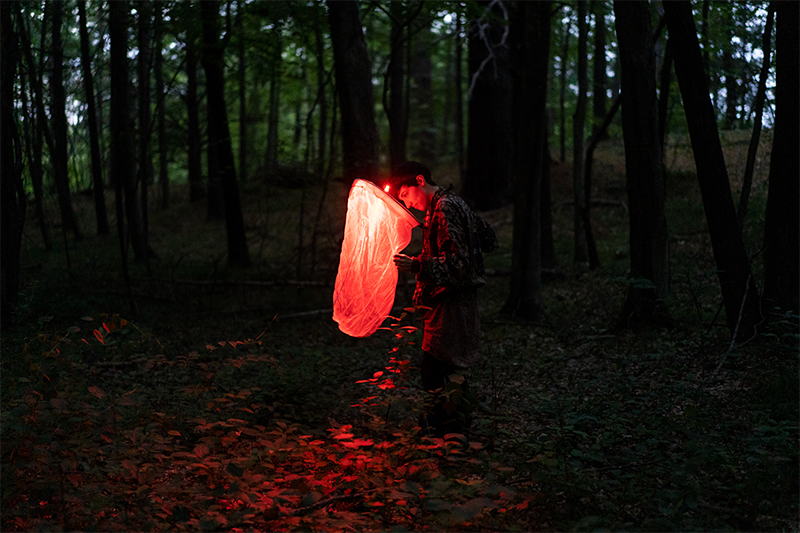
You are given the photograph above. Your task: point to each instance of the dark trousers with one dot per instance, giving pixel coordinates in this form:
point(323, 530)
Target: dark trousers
point(449, 410)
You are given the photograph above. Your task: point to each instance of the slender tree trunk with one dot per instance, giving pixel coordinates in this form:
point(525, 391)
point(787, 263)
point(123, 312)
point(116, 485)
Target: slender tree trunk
point(213, 64)
point(581, 253)
point(158, 72)
point(193, 115)
point(459, 97)
point(421, 95)
point(145, 175)
point(354, 87)
point(562, 77)
point(94, 141)
point(59, 118)
point(747, 181)
point(665, 80)
point(644, 168)
point(323, 100)
point(274, 100)
point(489, 179)
point(243, 140)
point(599, 64)
point(739, 293)
point(781, 231)
point(546, 209)
point(396, 110)
point(35, 134)
point(524, 298)
point(12, 192)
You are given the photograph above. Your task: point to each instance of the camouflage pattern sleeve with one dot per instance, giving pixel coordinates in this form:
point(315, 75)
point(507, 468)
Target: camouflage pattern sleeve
point(445, 257)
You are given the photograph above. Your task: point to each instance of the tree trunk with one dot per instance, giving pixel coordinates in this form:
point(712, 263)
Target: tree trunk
point(12, 192)
point(665, 81)
point(459, 98)
point(747, 180)
point(193, 113)
point(123, 160)
point(599, 64)
point(158, 72)
point(354, 88)
point(396, 110)
point(145, 176)
point(739, 293)
point(323, 100)
point(648, 286)
point(524, 298)
point(546, 220)
point(94, 141)
point(243, 141)
point(421, 94)
point(213, 64)
point(562, 92)
point(37, 124)
point(489, 179)
point(274, 100)
point(581, 252)
point(781, 231)
point(58, 115)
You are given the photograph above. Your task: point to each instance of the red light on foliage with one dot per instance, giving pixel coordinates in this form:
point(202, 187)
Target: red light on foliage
point(376, 228)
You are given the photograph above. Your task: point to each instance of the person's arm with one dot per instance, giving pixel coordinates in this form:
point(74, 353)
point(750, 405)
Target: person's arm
point(405, 263)
point(450, 266)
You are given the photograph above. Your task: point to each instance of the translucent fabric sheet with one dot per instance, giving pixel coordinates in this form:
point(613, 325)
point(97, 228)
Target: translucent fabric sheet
point(376, 228)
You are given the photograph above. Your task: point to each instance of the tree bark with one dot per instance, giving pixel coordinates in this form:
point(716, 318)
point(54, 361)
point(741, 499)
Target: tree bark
point(781, 231)
point(12, 192)
point(739, 293)
point(581, 251)
point(354, 88)
point(38, 123)
point(761, 92)
point(94, 141)
point(562, 92)
point(158, 73)
point(524, 298)
point(213, 64)
point(459, 98)
point(489, 179)
point(58, 115)
point(145, 175)
point(274, 100)
point(323, 100)
point(421, 95)
point(396, 110)
point(599, 65)
point(648, 286)
point(193, 111)
point(243, 140)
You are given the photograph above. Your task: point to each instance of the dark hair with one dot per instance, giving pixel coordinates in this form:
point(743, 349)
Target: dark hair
point(406, 175)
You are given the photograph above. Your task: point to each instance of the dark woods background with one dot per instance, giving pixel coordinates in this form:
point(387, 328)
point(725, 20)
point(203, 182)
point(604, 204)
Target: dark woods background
point(186, 164)
point(142, 105)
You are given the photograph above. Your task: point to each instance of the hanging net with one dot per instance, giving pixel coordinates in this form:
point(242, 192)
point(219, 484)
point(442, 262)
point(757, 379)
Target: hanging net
point(376, 228)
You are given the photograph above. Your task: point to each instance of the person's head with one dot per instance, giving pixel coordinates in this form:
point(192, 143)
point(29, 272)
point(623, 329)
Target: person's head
point(408, 181)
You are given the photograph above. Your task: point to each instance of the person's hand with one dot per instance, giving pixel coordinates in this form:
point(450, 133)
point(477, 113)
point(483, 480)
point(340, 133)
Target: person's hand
point(404, 263)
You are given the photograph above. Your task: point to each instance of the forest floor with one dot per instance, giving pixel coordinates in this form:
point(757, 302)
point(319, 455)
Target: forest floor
point(218, 399)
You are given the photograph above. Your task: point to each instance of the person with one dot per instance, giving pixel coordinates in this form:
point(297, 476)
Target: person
point(449, 270)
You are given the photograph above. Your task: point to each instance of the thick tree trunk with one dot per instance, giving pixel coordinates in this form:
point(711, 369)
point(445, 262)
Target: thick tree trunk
point(644, 167)
point(562, 93)
point(58, 115)
point(781, 231)
point(213, 64)
point(12, 193)
point(524, 298)
point(94, 141)
point(739, 293)
point(123, 160)
point(489, 179)
point(158, 73)
point(354, 88)
point(459, 98)
point(665, 81)
point(581, 250)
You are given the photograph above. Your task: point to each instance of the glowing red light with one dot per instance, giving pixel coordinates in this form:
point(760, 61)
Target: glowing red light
point(386, 188)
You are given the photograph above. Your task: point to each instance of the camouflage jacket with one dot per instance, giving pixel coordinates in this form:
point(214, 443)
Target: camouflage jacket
point(453, 239)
